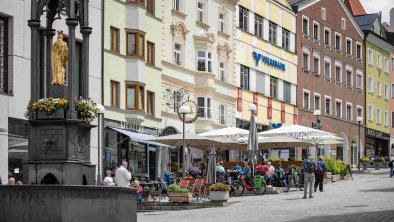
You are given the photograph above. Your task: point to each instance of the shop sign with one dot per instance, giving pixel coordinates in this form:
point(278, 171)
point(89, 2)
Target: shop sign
point(377, 134)
point(269, 61)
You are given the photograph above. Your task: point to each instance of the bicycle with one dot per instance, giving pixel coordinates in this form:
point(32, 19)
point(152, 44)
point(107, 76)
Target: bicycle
point(297, 180)
point(238, 187)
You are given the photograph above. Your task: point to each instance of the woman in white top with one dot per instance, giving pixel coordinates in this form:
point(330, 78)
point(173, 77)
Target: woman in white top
point(109, 179)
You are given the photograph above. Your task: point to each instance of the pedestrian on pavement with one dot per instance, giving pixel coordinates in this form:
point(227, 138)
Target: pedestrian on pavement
point(123, 176)
point(391, 165)
point(308, 166)
point(109, 179)
point(319, 173)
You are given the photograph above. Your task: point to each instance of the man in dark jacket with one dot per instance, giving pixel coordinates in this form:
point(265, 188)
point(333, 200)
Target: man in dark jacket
point(320, 169)
point(308, 166)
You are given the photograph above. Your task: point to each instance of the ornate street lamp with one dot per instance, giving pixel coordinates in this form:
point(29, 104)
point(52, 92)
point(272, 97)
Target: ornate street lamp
point(100, 113)
point(359, 120)
point(183, 110)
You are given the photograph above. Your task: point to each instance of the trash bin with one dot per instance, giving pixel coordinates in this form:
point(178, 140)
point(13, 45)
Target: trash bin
point(257, 182)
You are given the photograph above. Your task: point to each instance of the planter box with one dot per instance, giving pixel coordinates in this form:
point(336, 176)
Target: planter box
point(58, 114)
point(328, 175)
point(180, 197)
point(335, 178)
point(219, 196)
point(378, 165)
point(365, 165)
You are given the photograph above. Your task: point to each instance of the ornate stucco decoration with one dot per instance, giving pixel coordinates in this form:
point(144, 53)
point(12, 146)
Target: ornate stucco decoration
point(224, 50)
point(204, 40)
point(179, 31)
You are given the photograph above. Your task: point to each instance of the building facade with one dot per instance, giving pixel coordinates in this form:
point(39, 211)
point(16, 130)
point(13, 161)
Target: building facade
point(132, 82)
point(331, 74)
point(15, 57)
point(198, 66)
point(377, 54)
point(266, 65)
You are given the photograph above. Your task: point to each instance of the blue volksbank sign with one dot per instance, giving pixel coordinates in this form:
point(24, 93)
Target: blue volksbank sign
point(267, 60)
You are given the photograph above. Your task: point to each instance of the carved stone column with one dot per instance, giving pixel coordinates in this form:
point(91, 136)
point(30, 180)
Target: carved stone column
point(85, 31)
point(35, 66)
point(71, 23)
point(49, 33)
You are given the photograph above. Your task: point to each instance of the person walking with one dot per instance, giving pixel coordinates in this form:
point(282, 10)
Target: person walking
point(308, 166)
point(123, 176)
point(391, 165)
point(319, 174)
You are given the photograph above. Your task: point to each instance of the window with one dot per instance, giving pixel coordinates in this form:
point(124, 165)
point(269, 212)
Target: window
point(338, 74)
point(222, 114)
point(177, 5)
point(316, 65)
point(286, 91)
point(359, 81)
point(222, 71)
point(370, 57)
point(349, 116)
point(317, 102)
point(285, 39)
point(150, 97)
point(150, 53)
point(378, 115)
point(323, 13)
point(3, 55)
point(316, 31)
point(378, 61)
point(243, 19)
point(177, 54)
point(201, 12)
point(386, 91)
point(134, 97)
point(327, 37)
point(337, 42)
point(114, 39)
point(349, 78)
point(359, 112)
point(338, 108)
point(349, 46)
point(141, 2)
point(386, 118)
point(379, 88)
point(204, 61)
point(392, 64)
point(392, 90)
point(343, 23)
point(244, 77)
point(327, 70)
point(135, 44)
point(258, 26)
point(222, 22)
point(305, 61)
point(204, 107)
point(392, 119)
point(370, 84)
point(305, 25)
point(272, 32)
point(370, 113)
point(328, 106)
point(114, 93)
point(274, 87)
point(386, 65)
point(358, 50)
point(150, 6)
point(306, 100)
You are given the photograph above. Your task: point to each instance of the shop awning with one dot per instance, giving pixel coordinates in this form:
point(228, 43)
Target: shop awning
point(139, 137)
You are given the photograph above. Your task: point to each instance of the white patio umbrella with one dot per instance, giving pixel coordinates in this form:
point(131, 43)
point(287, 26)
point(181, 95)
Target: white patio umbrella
point(299, 132)
point(275, 142)
point(231, 134)
point(191, 140)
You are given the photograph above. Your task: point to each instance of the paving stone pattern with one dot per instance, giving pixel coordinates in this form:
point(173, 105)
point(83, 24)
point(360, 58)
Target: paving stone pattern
point(369, 197)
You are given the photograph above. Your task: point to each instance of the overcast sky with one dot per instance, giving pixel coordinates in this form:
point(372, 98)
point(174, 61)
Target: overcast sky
point(374, 6)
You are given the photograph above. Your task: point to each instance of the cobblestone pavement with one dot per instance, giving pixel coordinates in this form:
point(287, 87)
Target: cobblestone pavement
point(368, 197)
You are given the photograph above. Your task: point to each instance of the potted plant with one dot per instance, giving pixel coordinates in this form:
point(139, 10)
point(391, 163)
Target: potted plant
point(86, 109)
point(378, 162)
point(177, 194)
point(47, 108)
point(365, 161)
point(219, 192)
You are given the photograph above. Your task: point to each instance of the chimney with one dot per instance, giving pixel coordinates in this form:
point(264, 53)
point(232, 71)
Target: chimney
point(392, 17)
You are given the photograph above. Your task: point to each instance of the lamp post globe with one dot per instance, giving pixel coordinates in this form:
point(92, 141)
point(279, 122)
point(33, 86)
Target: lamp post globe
point(252, 107)
point(183, 110)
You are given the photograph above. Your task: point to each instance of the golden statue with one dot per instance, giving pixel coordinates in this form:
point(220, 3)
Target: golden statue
point(59, 60)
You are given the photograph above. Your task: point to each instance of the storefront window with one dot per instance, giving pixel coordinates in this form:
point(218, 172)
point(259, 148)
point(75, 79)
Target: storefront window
point(17, 147)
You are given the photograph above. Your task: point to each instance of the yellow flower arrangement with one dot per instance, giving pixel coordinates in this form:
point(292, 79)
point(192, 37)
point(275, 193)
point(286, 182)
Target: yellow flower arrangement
point(219, 187)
